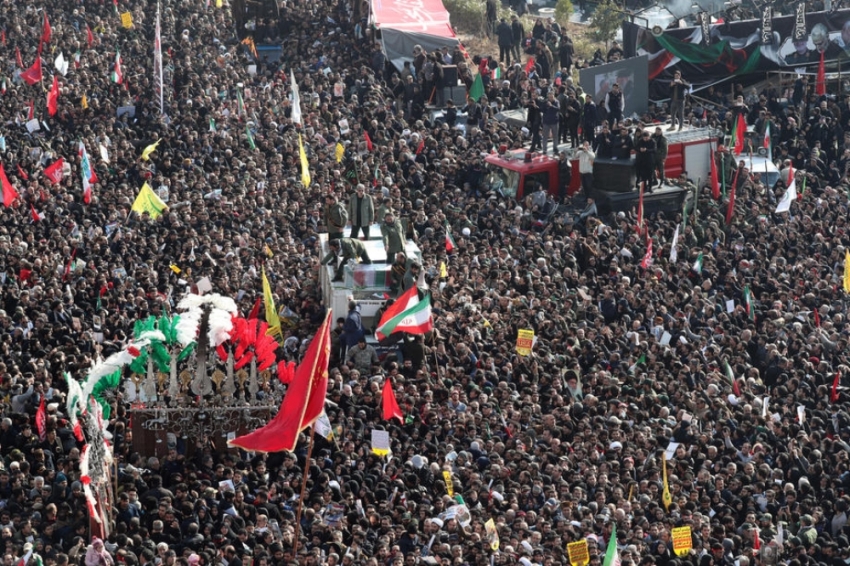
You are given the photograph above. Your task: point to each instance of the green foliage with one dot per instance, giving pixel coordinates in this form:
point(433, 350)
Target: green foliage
point(563, 11)
point(606, 21)
point(467, 16)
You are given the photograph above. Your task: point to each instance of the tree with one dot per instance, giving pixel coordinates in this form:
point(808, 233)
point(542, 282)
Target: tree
point(606, 21)
point(563, 11)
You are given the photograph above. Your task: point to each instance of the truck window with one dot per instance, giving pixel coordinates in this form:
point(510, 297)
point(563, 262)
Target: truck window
point(502, 181)
point(534, 180)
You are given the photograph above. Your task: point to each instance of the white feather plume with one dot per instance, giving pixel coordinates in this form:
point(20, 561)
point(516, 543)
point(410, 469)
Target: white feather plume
point(151, 335)
point(187, 326)
point(221, 325)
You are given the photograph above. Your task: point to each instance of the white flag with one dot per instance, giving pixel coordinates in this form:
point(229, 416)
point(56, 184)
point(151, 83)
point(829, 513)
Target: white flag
point(157, 63)
point(61, 64)
point(790, 194)
point(801, 414)
point(104, 154)
point(674, 253)
point(296, 99)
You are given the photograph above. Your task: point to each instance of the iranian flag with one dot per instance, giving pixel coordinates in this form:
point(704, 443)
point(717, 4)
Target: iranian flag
point(408, 314)
point(450, 242)
point(748, 303)
point(117, 76)
point(730, 375)
point(698, 264)
point(612, 556)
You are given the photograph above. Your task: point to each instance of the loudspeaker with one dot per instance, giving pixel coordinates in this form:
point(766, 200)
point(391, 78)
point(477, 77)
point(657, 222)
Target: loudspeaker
point(457, 94)
point(450, 75)
point(614, 175)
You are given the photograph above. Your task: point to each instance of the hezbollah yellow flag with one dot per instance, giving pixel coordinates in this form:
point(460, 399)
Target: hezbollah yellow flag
point(305, 165)
point(492, 534)
point(149, 202)
point(175, 269)
point(847, 271)
point(340, 152)
point(666, 499)
point(444, 271)
point(85, 102)
point(146, 153)
point(219, 3)
point(271, 312)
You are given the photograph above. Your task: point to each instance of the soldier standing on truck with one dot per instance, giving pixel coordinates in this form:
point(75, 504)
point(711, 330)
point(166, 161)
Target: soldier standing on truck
point(336, 217)
point(348, 248)
point(393, 235)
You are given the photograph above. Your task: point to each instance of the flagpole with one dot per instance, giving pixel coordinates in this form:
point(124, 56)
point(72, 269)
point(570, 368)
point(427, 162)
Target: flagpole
point(303, 489)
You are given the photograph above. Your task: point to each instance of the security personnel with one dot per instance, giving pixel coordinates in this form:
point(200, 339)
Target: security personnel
point(348, 248)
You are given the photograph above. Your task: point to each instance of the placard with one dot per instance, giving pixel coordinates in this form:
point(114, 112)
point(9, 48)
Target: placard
point(127, 20)
point(682, 541)
point(524, 342)
point(578, 553)
point(381, 442)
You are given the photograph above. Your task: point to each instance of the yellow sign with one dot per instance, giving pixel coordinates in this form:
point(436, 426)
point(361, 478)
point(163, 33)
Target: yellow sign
point(682, 541)
point(524, 342)
point(492, 534)
point(578, 553)
point(450, 487)
point(127, 20)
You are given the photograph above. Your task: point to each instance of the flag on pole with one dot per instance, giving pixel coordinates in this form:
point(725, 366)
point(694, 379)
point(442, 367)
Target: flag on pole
point(339, 152)
point(766, 142)
point(647, 258)
point(18, 59)
point(820, 83)
point(61, 64)
point(674, 253)
point(88, 175)
point(45, 30)
point(666, 499)
point(148, 201)
point(730, 210)
point(790, 193)
point(33, 75)
point(31, 111)
point(157, 62)
point(740, 133)
point(272, 317)
point(612, 555)
point(730, 375)
point(698, 265)
point(390, 405)
point(41, 419)
point(212, 125)
point(89, 36)
point(408, 314)
point(117, 76)
point(369, 145)
point(450, 242)
point(817, 318)
point(36, 217)
point(53, 97)
point(240, 104)
point(847, 271)
point(21, 173)
point(296, 100)
point(9, 192)
point(833, 393)
point(715, 182)
point(250, 137)
point(640, 209)
point(529, 65)
point(749, 303)
point(304, 401)
point(305, 164)
point(146, 153)
point(84, 102)
point(476, 91)
point(3, 86)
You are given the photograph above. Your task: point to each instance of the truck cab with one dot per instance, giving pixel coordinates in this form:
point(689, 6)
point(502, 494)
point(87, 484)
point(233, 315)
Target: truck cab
point(517, 173)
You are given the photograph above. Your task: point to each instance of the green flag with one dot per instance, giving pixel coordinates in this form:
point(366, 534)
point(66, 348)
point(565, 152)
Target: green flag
point(250, 138)
point(612, 556)
point(476, 91)
point(698, 264)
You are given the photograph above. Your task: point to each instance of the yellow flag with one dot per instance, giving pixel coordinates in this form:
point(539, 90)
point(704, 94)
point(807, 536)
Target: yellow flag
point(450, 486)
point(444, 271)
point(666, 499)
point(85, 102)
point(219, 3)
point(175, 269)
point(148, 201)
point(340, 152)
point(268, 251)
point(127, 20)
point(271, 312)
point(305, 165)
point(146, 153)
point(847, 271)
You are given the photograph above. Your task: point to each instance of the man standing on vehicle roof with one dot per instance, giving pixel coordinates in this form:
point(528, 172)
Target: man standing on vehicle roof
point(615, 103)
point(678, 91)
point(660, 154)
point(645, 160)
point(585, 167)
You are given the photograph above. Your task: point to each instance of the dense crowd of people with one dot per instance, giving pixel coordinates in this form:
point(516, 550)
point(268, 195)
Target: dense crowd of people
point(719, 372)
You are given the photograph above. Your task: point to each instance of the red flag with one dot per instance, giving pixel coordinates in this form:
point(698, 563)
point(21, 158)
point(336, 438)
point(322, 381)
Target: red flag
point(22, 174)
point(53, 97)
point(41, 419)
point(529, 65)
point(40, 47)
point(369, 144)
point(55, 171)
point(9, 192)
point(33, 75)
point(420, 147)
point(731, 210)
point(89, 36)
point(391, 408)
point(45, 30)
point(817, 318)
point(24, 274)
point(756, 541)
point(820, 85)
point(303, 403)
point(647, 259)
point(833, 394)
point(3, 37)
point(18, 58)
point(255, 310)
point(35, 216)
point(740, 133)
point(715, 182)
point(31, 111)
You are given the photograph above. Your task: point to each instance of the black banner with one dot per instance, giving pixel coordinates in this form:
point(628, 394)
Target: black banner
point(767, 26)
